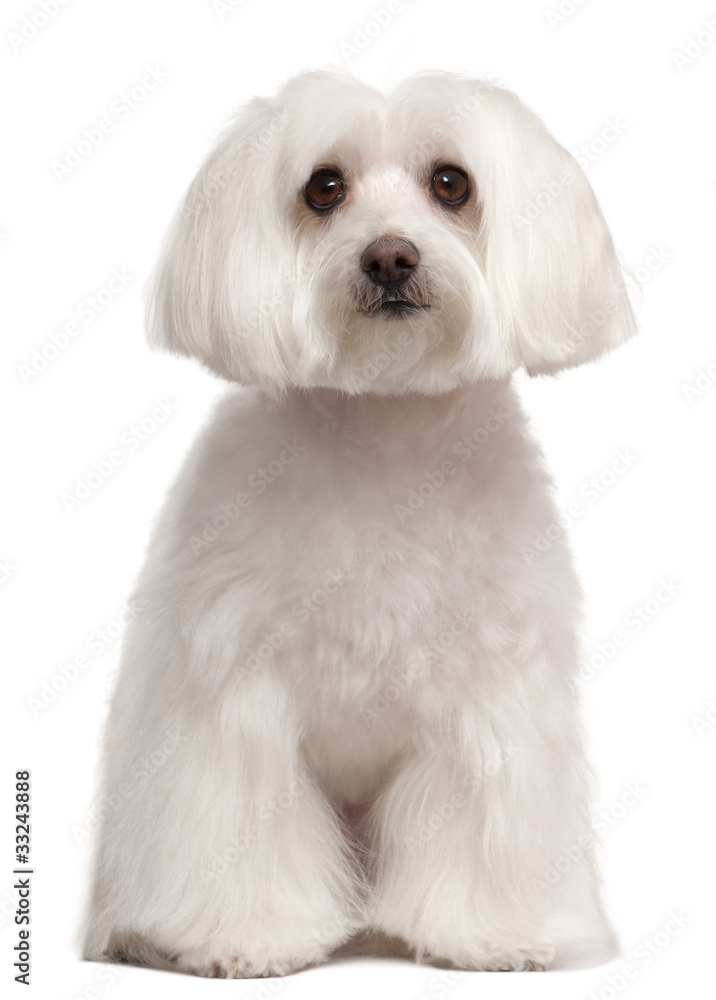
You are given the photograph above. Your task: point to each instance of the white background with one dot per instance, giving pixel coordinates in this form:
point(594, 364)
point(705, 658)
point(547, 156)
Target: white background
point(66, 574)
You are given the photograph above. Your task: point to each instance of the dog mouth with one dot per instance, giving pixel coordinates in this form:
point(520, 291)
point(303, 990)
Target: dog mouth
point(392, 303)
point(397, 308)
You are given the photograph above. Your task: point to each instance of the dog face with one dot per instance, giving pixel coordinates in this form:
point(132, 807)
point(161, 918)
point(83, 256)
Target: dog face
point(416, 241)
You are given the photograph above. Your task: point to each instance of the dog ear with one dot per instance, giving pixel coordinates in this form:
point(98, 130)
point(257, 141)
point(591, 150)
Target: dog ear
point(555, 281)
point(220, 291)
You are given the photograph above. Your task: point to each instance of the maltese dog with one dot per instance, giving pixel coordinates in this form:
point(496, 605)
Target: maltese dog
point(346, 709)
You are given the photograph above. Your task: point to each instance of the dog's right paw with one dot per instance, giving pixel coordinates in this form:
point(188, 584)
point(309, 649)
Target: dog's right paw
point(237, 965)
point(233, 966)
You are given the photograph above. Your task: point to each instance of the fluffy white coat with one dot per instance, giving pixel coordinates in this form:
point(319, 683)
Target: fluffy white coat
point(351, 683)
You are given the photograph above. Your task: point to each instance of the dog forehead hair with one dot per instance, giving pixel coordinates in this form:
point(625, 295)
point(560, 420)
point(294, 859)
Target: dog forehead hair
point(357, 129)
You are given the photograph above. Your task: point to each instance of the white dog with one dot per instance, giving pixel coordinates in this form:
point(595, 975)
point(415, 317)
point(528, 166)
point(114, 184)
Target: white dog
point(346, 700)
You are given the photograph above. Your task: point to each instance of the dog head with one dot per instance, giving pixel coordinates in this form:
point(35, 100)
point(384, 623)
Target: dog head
point(417, 241)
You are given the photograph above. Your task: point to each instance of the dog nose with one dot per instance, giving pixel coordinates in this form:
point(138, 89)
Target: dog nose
point(389, 261)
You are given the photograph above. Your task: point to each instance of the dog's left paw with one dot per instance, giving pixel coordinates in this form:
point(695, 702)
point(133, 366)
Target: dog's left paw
point(520, 960)
point(489, 959)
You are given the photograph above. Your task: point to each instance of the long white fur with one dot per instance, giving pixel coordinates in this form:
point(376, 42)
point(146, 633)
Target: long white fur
point(363, 629)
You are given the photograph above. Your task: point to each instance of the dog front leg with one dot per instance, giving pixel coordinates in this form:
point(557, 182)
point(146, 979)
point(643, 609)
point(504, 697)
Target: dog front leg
point(218, 855)
point(471, 828)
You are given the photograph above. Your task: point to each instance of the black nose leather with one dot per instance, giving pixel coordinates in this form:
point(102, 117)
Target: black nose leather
point(389, 261)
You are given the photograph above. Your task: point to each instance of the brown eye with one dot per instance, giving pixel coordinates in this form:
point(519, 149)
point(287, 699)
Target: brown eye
point(450, 185)
point(325, 189)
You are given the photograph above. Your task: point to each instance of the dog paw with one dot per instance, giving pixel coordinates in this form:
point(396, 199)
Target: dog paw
point(520, 960)
point(200, 962)
point(515, 960)
point(235, 966)
point(528, 959)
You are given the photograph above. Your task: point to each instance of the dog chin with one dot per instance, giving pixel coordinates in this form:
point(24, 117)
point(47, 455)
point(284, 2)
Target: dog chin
point(397, 309)
point(393, 355)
